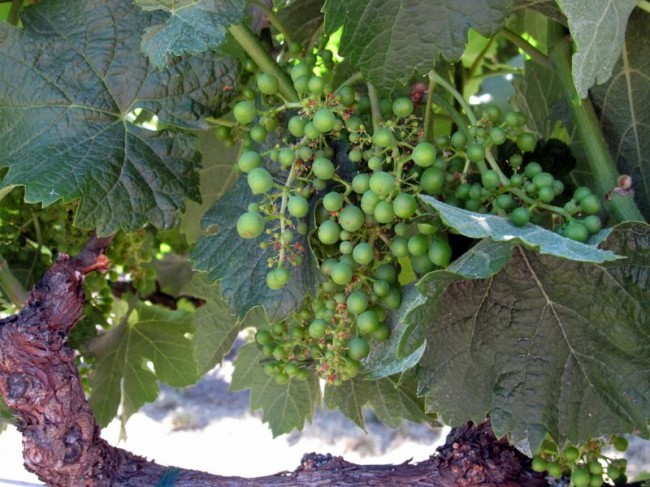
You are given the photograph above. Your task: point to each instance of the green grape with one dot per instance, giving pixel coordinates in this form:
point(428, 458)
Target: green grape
point(580, 477)
point(259, 180)
point(386, 272)
point(384, 212)
point(382, 183)
point(404, 205)
point(351, 218)
point(299, 70)
point(418, 244)
point(393, 299)
point(571, 454)
point(291, 369)
point(323, 168)
point(554, 470)
point(497, 136)
point(526, 142)
point(317, 328)
point(294, 48)
point(324, 120)
point(346, 247)
point(590, 204)
point(281, 378)
point(385, 108)
point(249, 160)
point(282, 274)
point(361, 183)
point(333, 201)
point(459, 140)
point(475, 152)
point(274, 281)
point(250, 225)
point(363, 253)
point(358, 348)
point(532, 169)
point(620, 443)
point(286, 157)
point(383, 137)
point(505, 201)
point(421, 264)
point(401, 229)
point(424, 154)
point(381, 288)
point(520, 216)
point(357, 303)
point(542, 179)
point(329, 232)
point(368, 321)
point(369, 201)
point(580, 193)
point(539, 464)
point(363, 105)
point(515, 161)
point(575, 231)
point(244, 112)
point(439, 252)
point(595, 467)
point(546, 194)
point(346, 95)
point(267, 83)
point(298, 206)
point(382, 333)
point(490, 179)
point(515, 119)
point(432, 181)
point(222, 133)
point(296, 126)
point(595, 481)
point(341, 273)
point(316, 86)
point(402, 107)
point(258, 133)
point(311, 132)
point(263, 337)
point(492, 113)
point(399, 247)
point(355, 155)
point(301, 84)
point(375, 163)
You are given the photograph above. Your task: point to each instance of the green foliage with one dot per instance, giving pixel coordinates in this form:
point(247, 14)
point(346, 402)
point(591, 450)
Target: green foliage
point(192, 26)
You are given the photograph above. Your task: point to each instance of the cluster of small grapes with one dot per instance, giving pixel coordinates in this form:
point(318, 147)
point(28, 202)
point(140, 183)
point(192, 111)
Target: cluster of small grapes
point(371, 234)
point(586, 466)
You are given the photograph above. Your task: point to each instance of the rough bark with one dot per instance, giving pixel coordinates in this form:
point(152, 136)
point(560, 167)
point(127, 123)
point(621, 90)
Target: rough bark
point(62, 446)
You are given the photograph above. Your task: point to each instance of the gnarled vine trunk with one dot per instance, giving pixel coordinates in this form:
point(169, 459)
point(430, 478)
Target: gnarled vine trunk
point(62, 444)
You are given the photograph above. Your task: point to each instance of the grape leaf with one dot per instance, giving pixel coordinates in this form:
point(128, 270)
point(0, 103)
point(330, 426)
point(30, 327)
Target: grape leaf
point(388, 41)
point(190, 26)
point(149, 345)
point(302, 19)
point(71, 78)
point(546, 345)
point(478, 225)
point(215, 324)
point(546, 7)
point(624, 108)
point(240, 265)
point(393, 400)
point(598, 29)
point(285, 406)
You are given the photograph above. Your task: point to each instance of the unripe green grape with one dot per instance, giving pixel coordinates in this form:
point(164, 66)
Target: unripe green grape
point(367, 321)
point(418, 244)
point(286, 157)
point(355, 155)
point(399, 247)
point(402, 107)
point(301, 84)
point(558, 187)
point(342, 273)
point(475, 152)
point(520, 216)
point(542, 179)
point(333, 201)
point(383, 137)
point(432, 181)
point(298, 206)
point(580, 193)
point(462, 191)
point(404, 205)
point(287, 236)
point(361, 183)
point(328, 232)
point(324, 120)
point(620, 443)
point(595, 467)
point(571, 454)
point(296, 126)
point(317, 328)
point(393, 299)
point(351, 218)
point(459, 140)
point(424, 154)
point(580, 477)
point(263, 337)
point(316, 85)
point(222, 133)
point(345, 235)
point(323, 168)
point(270, 122)
point(575, 231)
point(382, 183)
point(590, 204)
point(258, 133)
point(311, 132)
point(439, 252)
point(363, 105)
point(375, 163)
point(546, 194)
point(497, 135)
point(532, 169)
point(515, 119)
point(319, 184)
point(363, 253)
point(346, 247)
point(492, 113)
point(526, 142)
point(244, 112)
point(358, 348)
point(273, 283)
point(346, 95)
point(554, 470)
point(357, 303)
point(515, 161)
point(259, 180)
point(249, 160)
point(385, 108)
point(299, 70)
point(369, 201)
point(539, 464)
point(384, 212)
point(505, 201)
point(267, 83)
point(596, 481)
point(516, 181)
point(490, 179)
point(281, 378)
point(386, 272)
point(380, 287)
point(421, 264)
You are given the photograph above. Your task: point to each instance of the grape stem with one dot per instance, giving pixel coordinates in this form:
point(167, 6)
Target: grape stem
point(11, 286)
point(495, 167)
point(459, 98)
point(535, 54)
point(220, 121)
point(428, 112)
point(283, 208)
point(455, 115)
point(251, 44)
point(603, 168)
point(274, 19)
point(479, 59)
point(16, 6)
point(643, 5)
point(374, 107)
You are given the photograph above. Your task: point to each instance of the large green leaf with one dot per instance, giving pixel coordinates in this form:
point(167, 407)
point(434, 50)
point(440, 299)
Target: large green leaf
point(624, 108)
point(478, 225)
point(302, 19)
point(190, 26)
point(240, 265)
point(598, 29)
point(70, 80)
point(545, 346)
point(149, 345)
point(285, 406)
point(392, 399)
point(388, 41)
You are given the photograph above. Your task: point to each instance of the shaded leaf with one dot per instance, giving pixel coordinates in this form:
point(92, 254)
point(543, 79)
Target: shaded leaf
point(190, 26)
point(546, 7)
point(122, 377)
point(624, 108)
point(240, 265)
point(478, 225)
point(598, 30)
point(388, 41)
point(546, 345)
point(285, 406)
point(71, 79)
point(392, 400)
point(302, 19)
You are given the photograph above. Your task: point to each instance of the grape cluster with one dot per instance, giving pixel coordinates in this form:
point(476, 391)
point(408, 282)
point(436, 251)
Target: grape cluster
point(586, 466)
point(359, 174)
